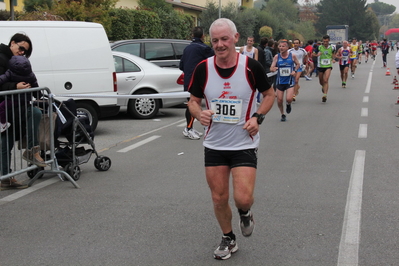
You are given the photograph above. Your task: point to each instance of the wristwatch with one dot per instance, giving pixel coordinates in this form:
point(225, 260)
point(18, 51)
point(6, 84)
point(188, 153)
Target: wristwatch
point(260, 117)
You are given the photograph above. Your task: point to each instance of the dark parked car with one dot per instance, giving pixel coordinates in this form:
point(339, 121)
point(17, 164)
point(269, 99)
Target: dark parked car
point(162, 52)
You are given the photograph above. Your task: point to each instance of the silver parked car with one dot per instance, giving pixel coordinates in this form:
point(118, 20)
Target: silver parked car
point(162, 52)
point(136, 75)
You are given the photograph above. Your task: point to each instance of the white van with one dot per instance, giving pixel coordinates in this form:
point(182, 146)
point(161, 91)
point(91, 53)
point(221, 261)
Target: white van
point(71, 57)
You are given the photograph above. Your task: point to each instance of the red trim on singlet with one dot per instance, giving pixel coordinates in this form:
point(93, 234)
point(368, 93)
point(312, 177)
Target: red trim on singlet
point(232, 73)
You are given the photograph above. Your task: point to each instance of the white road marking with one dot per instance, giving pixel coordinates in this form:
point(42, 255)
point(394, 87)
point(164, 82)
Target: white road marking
point(138, 144)
point(362, 131)
point(368, 85)
point(28, 190)
point(365, 99)
point(364, 112)
point(182, 124)
point(349, 245)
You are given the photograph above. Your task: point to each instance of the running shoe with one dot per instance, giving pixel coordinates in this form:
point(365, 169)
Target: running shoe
point(197, 132)
point(293, 98)
point(190, 133)
point(288, 109)
point(343, 84)
point(225, 249)
point(247, 224)
point(4, 126)
point(353, 76)
point(324, 99)
point(307, 77)
point(283, 118)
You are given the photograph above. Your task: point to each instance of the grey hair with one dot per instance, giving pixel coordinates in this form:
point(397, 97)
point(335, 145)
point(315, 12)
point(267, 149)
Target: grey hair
point(223, 22)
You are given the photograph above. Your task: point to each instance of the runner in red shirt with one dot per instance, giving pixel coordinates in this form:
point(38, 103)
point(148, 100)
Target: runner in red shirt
point(309, 64)
point(374, 46)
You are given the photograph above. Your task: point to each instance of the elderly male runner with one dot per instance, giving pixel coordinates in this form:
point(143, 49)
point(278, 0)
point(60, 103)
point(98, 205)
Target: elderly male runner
point(229, 82)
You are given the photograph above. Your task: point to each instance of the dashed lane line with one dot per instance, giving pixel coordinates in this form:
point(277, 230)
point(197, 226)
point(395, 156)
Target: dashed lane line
point(362, 131)
point(138, 144)
point(349, 245)
point(364, 112)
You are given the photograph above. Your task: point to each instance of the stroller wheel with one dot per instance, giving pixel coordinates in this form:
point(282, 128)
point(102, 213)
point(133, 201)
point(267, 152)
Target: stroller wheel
point(102, 163)
point(73, 171)
point(32, 173)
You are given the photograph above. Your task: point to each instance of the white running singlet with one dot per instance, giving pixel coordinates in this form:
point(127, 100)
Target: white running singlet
point(300, 54)
point(234, 101)
point(250, 53)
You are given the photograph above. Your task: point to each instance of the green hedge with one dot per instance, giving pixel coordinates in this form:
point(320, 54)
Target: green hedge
point(134, 24)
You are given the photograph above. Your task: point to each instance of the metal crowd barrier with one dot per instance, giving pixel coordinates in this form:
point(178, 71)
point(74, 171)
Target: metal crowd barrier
point(20, 107)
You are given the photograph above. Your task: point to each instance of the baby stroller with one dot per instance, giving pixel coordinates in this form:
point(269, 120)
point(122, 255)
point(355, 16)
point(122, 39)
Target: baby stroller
point(77, 131)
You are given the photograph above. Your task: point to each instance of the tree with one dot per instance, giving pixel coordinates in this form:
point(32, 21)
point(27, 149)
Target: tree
point(33, 5)
point(372, 24)
point(265, 31)
point(245, 23)
point(285, 10)
point(211, 13)
point(381, 9)
point(394, 24)
point(343, 12)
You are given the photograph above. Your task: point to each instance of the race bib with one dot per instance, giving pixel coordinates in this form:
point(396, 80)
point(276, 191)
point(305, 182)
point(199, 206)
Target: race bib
point(345, 58)
point(325, 62)
point(226, 110)
point(285, 71)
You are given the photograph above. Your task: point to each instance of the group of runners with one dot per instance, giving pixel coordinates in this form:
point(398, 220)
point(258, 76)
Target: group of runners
point(290, 64)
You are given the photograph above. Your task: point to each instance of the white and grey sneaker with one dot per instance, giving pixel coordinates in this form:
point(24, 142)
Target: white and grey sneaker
point(225, 249)
point(197, 132)
point(190, 133)
point(247, 224)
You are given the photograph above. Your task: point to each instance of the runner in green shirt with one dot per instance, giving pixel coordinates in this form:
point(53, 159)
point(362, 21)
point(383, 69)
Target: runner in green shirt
point(325, 58)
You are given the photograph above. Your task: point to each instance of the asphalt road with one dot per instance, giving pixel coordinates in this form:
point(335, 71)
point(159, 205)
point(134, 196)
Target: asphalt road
point(326, 191)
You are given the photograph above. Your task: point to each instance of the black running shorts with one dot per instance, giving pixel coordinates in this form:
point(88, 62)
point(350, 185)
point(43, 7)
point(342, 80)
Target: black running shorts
point(232, 159)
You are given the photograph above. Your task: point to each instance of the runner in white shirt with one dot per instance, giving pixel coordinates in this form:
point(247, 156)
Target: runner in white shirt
point(302, 57)
point(249, 50)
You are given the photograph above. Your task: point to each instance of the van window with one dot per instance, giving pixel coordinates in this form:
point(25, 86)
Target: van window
point(158, 51)
point(131, 48)
point(123, 65)
point(179, 48)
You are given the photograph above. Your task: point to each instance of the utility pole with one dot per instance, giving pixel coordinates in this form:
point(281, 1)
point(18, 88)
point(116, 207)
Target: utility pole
point(220, 8)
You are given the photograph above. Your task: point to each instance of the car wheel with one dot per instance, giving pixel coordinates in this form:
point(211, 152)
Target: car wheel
point(143, 108)
point(88, 110)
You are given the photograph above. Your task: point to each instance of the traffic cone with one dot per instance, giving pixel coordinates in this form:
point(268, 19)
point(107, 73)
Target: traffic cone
point(388, 73)
point(394, 80)
point(396, 86)
point(397, 102)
